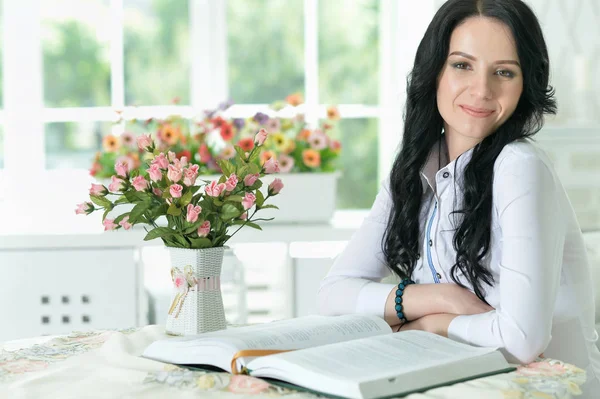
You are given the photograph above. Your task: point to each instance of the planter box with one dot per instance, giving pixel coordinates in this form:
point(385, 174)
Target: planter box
point(305, 198)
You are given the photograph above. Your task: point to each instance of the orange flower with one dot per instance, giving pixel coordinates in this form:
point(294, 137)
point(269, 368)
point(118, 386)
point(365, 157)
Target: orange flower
point(294, 99)
point(311, 158)
point(333, 113)
point(170, 134)
point(227, 131)
point(246, 144)
point(266, 155)
point(110, 143)
point(304, 134)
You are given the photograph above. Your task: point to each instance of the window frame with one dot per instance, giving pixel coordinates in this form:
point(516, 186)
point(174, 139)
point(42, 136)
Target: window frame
point(24, 111)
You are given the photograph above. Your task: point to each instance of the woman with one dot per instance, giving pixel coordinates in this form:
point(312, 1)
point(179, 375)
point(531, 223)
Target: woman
point(473, 211)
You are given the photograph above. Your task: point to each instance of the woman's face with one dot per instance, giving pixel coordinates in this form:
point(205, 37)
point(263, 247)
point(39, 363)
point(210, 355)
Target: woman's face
point(481, 82)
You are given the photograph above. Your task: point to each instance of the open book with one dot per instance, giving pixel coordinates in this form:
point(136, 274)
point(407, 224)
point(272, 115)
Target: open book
point(353, 356)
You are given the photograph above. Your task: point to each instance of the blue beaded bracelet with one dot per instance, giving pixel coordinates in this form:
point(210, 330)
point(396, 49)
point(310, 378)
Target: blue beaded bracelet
point(399, 292)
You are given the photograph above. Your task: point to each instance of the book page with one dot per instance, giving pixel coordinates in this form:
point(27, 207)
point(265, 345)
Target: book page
point(370, 358)
point(306, 332)
point(289, 334)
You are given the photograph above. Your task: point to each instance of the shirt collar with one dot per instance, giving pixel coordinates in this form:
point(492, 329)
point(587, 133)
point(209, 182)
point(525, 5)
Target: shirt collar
point(438, 163)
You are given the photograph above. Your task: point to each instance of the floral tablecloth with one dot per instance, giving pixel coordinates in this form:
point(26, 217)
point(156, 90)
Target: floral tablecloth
point(107, 364)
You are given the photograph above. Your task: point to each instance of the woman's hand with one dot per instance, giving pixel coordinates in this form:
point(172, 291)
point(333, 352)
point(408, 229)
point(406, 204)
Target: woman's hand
point(459, 300)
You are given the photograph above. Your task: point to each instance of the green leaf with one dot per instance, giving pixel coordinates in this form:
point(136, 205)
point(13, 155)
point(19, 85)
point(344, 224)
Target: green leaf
point(136, 196)
point(226, 167)
point(105, 214)
point(254, 225)
point(254, 156)
point(199, 243)
point(122, 200)
point(217, 202)
point(260, 199)
point(241, 153)
point(101, 201)
point(194, 227)
point(229, 211)
point(174, 210)
point(181, 241)
point(138, 211)
point(234, 198)
point(269, 207)
point(161, 232)
point(186, 198)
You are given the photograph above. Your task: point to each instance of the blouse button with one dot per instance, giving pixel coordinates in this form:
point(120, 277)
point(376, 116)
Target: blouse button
point(430, 243)
point(439, 276)
point(418, 256)
point(446, 174)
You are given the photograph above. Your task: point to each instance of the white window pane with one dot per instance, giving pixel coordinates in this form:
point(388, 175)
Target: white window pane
point(266, 50)
point(73, 145)
point(358, 185)
point(75, 44)
point(1, 147)
point(156, 51)
point(348, 51)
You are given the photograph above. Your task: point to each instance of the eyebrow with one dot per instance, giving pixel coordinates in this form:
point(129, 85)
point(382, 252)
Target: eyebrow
point(469, 56)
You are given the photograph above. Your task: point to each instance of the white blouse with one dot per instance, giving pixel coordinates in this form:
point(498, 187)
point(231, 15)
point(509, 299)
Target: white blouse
point(542, 296)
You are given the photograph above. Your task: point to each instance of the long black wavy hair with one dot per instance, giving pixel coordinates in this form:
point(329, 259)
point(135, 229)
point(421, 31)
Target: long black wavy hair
point(423, 126)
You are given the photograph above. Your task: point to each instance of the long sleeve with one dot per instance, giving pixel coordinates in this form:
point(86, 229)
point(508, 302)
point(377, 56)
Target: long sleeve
point(533, 228)
point(353, 283)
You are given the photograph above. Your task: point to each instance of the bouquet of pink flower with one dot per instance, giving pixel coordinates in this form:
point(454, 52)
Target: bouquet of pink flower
point(199, 213)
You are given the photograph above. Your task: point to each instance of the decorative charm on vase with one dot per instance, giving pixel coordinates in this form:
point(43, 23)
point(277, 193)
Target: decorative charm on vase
point(199, 215)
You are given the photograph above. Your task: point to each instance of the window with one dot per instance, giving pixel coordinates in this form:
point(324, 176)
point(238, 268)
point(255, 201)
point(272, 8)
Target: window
point(75, 44)
point(266, 50)
point(156, 51)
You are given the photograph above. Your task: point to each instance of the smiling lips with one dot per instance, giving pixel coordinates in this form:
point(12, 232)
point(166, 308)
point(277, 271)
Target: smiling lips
point(477, 112)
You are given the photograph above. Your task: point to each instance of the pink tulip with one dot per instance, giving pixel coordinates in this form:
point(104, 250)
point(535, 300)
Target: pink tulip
point(251, 179)
point(248, 200)
point(189, 175)
point(172, 156)
point(155, 172)
point(244, 216)
point(180, 163)
point(275, 187)
point(231, 182)
point(98, 190)
point(204, 230)
point(157, 192)
point(261, 136)
point(176, 190)
point(271, 166)
point(85, 208)
point(161, 160)
point(122, 168)
point(193, 212)
point(125, 223)
point(139, 183)
point(174, 174)
point(213, 189)
point(144, 141)
point(109, 224)
point(116, 184)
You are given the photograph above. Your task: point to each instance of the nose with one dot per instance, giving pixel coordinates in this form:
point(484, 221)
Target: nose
point(481, 86)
